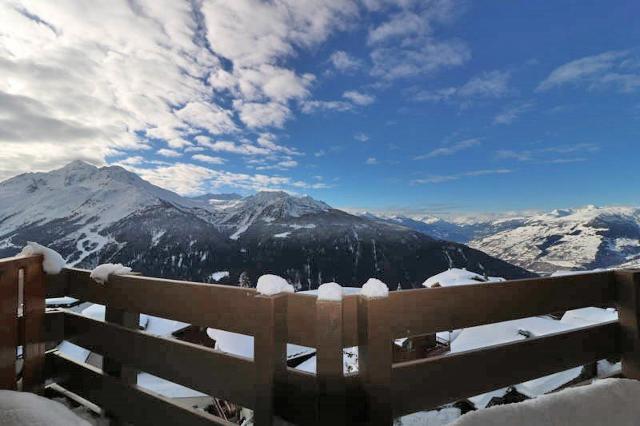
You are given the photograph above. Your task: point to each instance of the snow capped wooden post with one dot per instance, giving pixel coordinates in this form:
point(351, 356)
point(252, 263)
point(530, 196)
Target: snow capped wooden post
point(629, 318)
point(270, 347)
point(33, 348)
point(111, 366)
point(375, 352)
point(329, 356)
point(8, 324)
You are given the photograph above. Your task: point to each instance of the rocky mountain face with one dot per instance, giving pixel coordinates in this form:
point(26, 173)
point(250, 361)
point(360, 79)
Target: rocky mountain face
point(96, 215)
point(572, 239)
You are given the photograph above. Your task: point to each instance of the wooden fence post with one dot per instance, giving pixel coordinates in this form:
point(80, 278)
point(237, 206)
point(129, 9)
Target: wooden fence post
point(330, 386)
point(8, 325)
point(628, 291)
point(33, 348)
point(270, 356)
point(113, 367)
point(375, 358)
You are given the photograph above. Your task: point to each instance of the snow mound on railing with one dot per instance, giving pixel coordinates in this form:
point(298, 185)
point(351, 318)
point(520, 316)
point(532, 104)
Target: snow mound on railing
point(374, 288)
point(455, 276)
point(53, 261)
point(330, 291)
point(100, 273)
point(269, 285)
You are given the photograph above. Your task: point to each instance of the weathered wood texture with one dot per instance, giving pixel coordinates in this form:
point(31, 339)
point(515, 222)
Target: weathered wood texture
point(375, 359)
point(34, 338)
point(217, 306)
point(128, 402)
point(330, 392)
point(629, 317)
point(449, 378)
point(423, 311)
point(270, 357)
point(190, 365)
point(8, 324)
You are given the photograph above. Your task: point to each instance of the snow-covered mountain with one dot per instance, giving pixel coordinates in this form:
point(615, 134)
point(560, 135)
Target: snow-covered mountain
point(585, 238)
point(96, 215)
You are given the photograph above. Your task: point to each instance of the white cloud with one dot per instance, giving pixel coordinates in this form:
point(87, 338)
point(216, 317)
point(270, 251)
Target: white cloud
point(510, 114)
point(208, 159)
point(169, 153)
point(450, 149)
point(358, 98)
point(619, 70)
point(492, 84)
point(558, 154)
point(312, 106)
point(344, 62)
point(449, 178)
point(371, 161)
point(362, 137)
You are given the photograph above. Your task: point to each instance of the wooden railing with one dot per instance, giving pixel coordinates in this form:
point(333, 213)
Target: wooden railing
point(380, 391)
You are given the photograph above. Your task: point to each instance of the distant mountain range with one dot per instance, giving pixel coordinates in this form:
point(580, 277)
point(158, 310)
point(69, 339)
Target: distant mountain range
point(95, 215)
point(571, 239)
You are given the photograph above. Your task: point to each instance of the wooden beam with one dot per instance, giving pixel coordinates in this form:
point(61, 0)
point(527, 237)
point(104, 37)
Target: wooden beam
point(209, 305)
point(34, 341)
point(432, 382)
point(128, 402)
point(330, 393)
point(629, 317)
point(375, 358)
point(270, 356)
point(8, 324)
point(196, 367)
point(425, 311)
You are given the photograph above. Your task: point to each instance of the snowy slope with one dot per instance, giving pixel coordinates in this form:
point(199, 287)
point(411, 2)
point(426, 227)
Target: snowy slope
point(585, 238)
point(108, 215)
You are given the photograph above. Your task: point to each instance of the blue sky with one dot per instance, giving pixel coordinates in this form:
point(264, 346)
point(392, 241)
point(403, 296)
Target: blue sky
point(425, 106)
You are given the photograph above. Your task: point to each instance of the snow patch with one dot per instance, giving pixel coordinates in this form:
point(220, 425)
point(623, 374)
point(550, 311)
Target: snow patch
point(217, 276)
point(52, 263)
point(330, 291)
point(101, 273)
point(282, 235)
point(374, 288)
point(269, 285)
point(456, 276)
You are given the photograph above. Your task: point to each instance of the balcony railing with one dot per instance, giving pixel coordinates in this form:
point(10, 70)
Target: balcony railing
point(380, 391)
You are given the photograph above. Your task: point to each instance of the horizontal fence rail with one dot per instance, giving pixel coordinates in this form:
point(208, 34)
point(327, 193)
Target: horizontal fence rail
point(380, 391)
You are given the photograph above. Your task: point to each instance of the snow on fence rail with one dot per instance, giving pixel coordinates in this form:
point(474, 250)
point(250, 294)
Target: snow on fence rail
point(380, 391)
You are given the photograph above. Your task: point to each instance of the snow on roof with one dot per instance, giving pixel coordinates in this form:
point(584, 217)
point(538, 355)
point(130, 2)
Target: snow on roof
point(546, 384)
point(96, 312)
point(504, 332)
point(455, 276)
point(346, 291)
point(52, 261)
point(57, 301)
point(166, 388)
point(610, 401)
point(242, 345)
point(73, 351)
point(589, 316)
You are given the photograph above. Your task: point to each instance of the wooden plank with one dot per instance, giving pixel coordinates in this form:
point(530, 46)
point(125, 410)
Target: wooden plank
point(629, 318)
point(129, 402)
point(375, 358)
point(302, 327)
point(34, 342)
point(270, 356)
point(329, 363)
point(301, 398)
point(56, 285)
point(8, 324)
point(196, 367)
point(431, 382)
point(424, 311)
point(224, 307)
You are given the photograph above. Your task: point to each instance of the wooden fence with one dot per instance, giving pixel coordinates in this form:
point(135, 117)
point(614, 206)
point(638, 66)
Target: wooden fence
point(380, 391)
